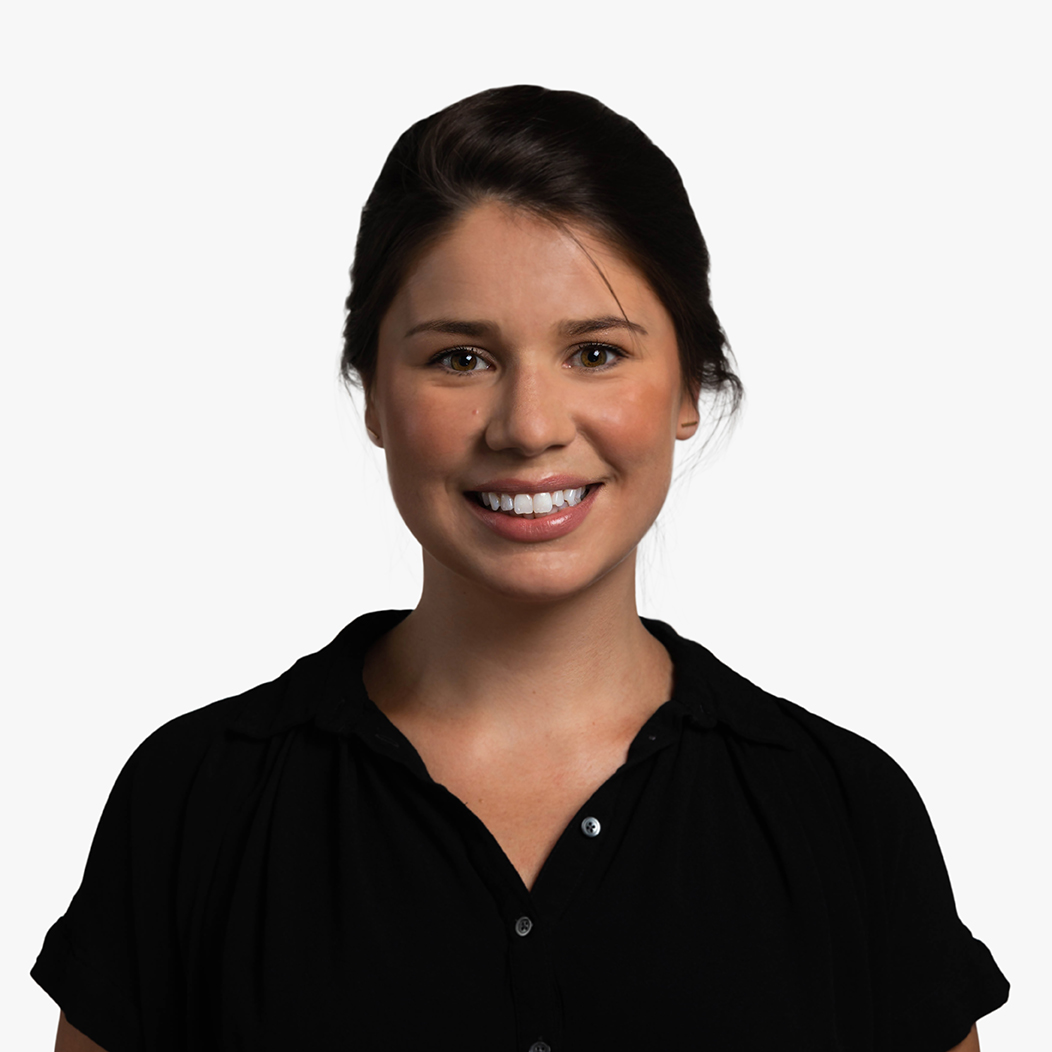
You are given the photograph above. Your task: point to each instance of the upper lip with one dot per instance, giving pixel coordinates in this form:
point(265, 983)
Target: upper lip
point(545, 485)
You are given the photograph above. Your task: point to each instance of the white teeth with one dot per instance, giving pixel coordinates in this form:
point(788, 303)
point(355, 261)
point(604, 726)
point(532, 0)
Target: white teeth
point(533, 503)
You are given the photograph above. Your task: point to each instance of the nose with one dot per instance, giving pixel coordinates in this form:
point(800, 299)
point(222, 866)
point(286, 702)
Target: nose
point(530, 413)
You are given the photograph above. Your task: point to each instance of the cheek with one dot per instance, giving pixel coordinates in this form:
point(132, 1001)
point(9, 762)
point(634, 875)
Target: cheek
point(422, 434)
point(639, 425)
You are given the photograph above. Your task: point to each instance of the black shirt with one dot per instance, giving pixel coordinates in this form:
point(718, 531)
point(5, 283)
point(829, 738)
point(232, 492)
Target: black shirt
point(278, 871)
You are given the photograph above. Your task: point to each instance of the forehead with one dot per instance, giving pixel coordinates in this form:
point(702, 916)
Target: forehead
point(524, 273)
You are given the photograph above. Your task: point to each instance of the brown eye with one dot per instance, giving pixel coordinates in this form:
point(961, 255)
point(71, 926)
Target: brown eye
point(463, 361)
point(595, 356)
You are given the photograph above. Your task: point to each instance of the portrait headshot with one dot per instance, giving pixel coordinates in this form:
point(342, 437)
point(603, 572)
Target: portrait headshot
point(527, 529)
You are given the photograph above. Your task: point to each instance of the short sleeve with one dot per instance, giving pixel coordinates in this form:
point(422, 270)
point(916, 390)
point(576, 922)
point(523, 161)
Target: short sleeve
point(88, 961)
point(113, 961)
point(934, 978)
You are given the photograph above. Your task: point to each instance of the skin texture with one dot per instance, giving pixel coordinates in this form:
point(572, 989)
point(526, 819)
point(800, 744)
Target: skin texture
point(524, 672)
point(536, 410)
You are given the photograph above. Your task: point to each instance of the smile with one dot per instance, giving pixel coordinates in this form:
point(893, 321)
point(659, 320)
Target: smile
point(532, 505)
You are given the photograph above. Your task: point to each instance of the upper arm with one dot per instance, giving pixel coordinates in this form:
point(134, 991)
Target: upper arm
point(970, 1043)
point(70, 1039)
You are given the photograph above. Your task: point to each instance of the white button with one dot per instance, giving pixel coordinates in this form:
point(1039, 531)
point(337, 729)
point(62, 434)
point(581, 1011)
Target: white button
point(523, 926)
point(540, 1046)
point(591, 826)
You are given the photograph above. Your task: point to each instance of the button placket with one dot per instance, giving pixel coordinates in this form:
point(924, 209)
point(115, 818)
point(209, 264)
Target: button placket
point(576, 860)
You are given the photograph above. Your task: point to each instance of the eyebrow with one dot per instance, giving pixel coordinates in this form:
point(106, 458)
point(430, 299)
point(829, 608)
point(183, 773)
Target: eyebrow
point(582, 327)
point(608, 321)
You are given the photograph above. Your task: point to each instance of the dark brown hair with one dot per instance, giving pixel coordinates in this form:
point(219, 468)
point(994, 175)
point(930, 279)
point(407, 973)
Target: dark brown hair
point(557, 154)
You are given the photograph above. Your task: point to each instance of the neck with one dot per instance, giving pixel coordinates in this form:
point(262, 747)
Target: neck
point(469, 653)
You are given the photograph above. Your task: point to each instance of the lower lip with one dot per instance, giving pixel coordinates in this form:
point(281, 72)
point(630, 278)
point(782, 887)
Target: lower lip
point(547, 528)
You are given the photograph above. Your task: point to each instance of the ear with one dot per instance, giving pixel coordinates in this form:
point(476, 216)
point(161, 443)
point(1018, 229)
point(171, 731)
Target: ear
point(689, 415)
point(372, 424)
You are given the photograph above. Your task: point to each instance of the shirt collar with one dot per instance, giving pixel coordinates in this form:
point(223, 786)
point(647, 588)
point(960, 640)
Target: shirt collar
point(326, 688)
point(716, 695)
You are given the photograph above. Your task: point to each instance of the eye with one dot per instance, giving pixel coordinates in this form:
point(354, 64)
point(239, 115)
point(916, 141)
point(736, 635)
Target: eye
point(596, 356)
point(462, 360)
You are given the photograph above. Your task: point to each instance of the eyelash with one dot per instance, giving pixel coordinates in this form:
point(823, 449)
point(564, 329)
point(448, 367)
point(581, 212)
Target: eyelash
point(443, 358)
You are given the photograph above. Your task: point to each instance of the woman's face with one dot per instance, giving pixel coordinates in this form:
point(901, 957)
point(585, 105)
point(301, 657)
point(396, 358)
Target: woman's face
point(506, 373)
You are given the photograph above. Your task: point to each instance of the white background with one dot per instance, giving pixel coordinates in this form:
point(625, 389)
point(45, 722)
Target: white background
point(191, 504)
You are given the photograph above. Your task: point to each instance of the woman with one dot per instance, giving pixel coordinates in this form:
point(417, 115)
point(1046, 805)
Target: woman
point(519, 817)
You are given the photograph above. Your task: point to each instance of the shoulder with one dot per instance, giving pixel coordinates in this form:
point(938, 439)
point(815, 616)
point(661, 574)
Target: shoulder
point(224, 736)
point(183, 759)
point(855, 759)
point(808, 751)
point(889, 821)
point(174, 754)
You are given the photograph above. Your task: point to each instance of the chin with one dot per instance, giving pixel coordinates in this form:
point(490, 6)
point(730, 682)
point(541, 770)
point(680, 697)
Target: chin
point(550, 572)
point(536, 580)
point(536, 592)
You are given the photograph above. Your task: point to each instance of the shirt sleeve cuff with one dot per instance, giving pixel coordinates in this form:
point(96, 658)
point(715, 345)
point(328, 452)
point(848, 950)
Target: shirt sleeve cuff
point(91, 1002)
point(974, 987)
